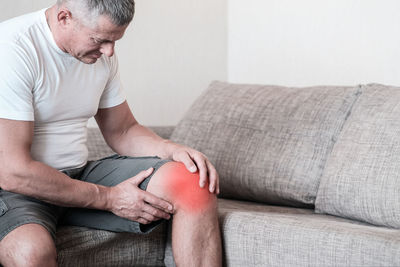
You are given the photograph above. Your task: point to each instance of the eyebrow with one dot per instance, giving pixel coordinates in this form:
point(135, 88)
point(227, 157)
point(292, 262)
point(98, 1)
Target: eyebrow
point(103, 40)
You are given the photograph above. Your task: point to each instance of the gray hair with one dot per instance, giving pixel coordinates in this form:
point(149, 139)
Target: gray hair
point(119, 11)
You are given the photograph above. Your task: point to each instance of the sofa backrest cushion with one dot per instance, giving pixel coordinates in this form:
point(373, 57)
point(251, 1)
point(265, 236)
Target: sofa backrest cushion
point(96, 145)
point(268, 143)
point(362, 177)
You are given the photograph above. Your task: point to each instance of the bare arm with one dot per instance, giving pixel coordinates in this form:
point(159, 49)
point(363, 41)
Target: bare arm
point(21, 174)
point(127, 137)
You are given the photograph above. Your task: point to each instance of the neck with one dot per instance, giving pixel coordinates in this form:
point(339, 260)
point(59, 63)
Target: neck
point(51, 18)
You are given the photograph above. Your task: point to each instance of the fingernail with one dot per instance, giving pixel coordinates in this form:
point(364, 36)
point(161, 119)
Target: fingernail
point(202, 184)
point(193, 169)
point(170, 208)
point(211, 189)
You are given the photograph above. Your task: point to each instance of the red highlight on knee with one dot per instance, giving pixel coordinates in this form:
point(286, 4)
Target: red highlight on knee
point(183, 187)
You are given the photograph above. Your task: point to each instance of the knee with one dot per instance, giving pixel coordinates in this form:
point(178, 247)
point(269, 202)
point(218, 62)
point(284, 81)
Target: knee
point(182, 188)
point(34, 254)
point(28, 245)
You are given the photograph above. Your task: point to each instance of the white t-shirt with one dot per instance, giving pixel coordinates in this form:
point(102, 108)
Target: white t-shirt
point(41, 83)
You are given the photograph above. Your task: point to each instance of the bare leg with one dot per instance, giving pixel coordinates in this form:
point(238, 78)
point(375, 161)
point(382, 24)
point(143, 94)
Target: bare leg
point(28, 245)
point(196, 239)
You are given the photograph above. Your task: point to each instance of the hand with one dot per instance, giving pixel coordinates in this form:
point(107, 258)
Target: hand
point(195, 160)
point(130, 202)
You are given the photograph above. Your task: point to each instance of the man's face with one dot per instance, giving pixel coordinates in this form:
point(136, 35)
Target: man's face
point(87, 44)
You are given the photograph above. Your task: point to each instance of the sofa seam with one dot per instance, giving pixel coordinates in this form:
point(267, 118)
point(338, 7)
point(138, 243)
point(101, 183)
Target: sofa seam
point(358, 94)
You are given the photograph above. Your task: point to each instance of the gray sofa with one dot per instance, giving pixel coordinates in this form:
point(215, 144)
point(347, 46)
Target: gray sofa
point(309, 177)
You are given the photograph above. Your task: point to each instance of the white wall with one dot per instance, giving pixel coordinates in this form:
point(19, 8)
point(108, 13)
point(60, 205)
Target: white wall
point(175, 48)
point(312, 42)
point(168, 56)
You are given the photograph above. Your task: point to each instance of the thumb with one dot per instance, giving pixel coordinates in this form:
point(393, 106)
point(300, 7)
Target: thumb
point(138, 178)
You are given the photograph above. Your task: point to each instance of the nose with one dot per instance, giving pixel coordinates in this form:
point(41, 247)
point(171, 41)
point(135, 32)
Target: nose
point(107, 49)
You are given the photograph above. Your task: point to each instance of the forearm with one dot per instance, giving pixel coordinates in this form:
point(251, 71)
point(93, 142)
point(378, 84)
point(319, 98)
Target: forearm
point(139, 140)
point(40, 181)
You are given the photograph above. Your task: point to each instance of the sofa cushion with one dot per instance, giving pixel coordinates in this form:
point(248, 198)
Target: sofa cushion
point(362, 176)
point(96, 144)
point(80, 246)
point(260, 235)
point(98, 147)
point(268, 143)
point(162, 131)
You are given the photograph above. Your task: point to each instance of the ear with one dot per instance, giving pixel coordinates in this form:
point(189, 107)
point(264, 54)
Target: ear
point(64, 17)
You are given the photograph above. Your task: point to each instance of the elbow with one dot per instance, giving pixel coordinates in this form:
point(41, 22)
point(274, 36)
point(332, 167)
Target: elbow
point(12, 174)
point(7, 180)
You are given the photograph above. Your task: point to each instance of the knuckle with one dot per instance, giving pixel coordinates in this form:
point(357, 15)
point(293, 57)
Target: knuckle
point(149, 217)
point(201, 156)
point(137, 206)
point(155, 213)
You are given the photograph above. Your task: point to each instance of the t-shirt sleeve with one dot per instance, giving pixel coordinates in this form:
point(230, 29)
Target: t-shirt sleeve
point(16, 83)
point(113, 93)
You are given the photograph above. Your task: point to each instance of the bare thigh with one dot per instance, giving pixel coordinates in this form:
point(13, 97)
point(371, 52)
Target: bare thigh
point(28, 245)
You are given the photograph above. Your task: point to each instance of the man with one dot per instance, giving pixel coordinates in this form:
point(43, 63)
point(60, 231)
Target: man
point(57, 70)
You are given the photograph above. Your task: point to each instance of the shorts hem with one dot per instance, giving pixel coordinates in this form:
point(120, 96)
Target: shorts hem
point(143, 185)
point(148, 228)
point(15, 226)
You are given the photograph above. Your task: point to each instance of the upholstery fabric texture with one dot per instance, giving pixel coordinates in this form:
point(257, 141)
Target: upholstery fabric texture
point(362, 176)
point(82, 247)
point(255, 234)
point(98, 147)
point(261, 235)
point(268, 143)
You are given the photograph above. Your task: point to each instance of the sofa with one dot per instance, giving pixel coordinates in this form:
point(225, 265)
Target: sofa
point(309, 176)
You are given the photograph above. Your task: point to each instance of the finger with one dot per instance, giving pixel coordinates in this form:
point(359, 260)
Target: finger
point(214, 178)
point(188, 162)
point(158, 202)
point(138, 178)
point(200, 161)
point(148, 217)
point(157, 213)
point(142, 221)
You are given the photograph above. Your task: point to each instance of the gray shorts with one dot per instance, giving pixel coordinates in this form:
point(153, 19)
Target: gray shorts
point(17, 210)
